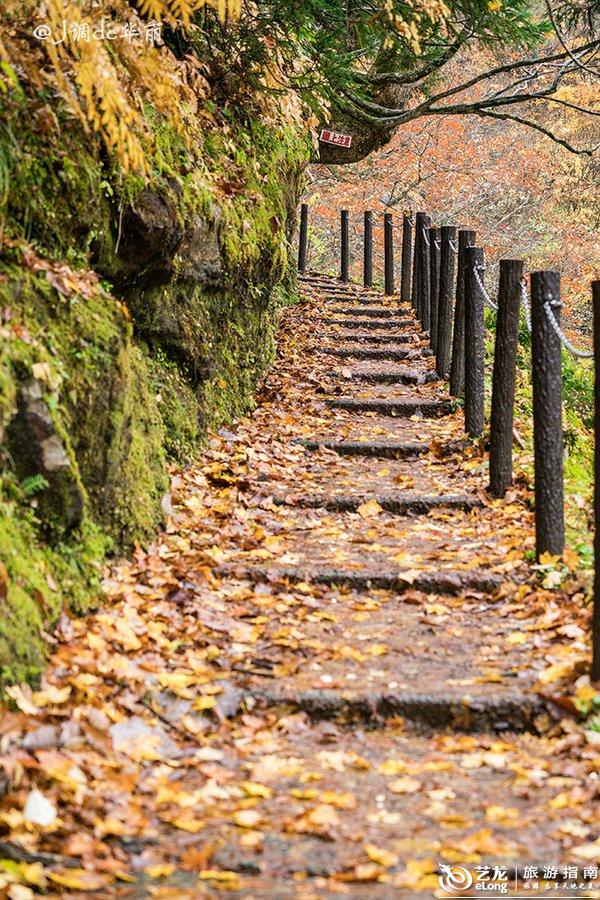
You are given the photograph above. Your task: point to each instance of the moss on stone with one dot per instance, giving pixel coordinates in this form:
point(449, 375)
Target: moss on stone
point(137, 371)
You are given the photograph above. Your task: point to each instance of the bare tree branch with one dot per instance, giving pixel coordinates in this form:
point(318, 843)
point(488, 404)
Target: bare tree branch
point(580, 151)
point(563, 43)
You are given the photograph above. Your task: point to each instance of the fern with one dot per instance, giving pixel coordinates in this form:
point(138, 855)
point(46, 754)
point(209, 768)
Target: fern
point(33, 485)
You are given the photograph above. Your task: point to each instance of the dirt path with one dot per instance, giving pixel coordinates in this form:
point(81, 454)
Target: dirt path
point(327, 677)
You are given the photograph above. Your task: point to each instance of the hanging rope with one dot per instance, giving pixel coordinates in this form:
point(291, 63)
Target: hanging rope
point(580, 354)
point(479, 281)
point(526, 305)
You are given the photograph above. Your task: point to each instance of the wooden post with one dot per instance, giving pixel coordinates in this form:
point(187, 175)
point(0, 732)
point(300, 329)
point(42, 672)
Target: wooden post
point(303, 243)
point(547, 415)
point(421, 222)
point(415, 271)
point(405, 276)
point(444, 332)
point(424, 274)
point(503, 378)
point(368, 249)
point(474, 341)
point(388, 252)
point(345, 246)
point(596, 613)
point(434, 280)
point(466, 239)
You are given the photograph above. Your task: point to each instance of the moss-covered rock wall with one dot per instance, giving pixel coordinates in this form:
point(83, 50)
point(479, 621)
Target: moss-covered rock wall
point(135, 315)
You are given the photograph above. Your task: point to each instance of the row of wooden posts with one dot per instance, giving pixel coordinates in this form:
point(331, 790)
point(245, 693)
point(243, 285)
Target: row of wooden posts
point(442, 276)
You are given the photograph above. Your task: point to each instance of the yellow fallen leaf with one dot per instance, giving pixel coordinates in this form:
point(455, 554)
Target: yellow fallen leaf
point(80, 880)
point(548, 559)
point(257, 790)
point(405, 786)
point(187, 823)
point(561, 801)
point(230, 878)
point(369, 508)
point(377, 649)
point(381, 856)
point(247, 818)
point(344, 800)
point(366, 872)
point(323, 815)
point(306, 794)
point(555, 672)
point(162, 870)
point(392, 767)
point(202, 703)
point(251, 839)
point(587, 851)
point(517, 637)
point(502, 815)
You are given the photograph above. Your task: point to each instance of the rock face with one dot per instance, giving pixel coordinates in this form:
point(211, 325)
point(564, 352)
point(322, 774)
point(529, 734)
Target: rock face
point(37, 449)
point(151, 231)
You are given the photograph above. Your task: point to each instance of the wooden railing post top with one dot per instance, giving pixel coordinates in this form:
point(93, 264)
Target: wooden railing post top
point(542, 275)
point(512, 262)
point(448, 230)
point(467, 232)
point(545, 285)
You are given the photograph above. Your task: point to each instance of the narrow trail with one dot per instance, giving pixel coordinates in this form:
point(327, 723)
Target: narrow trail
point(327, 676)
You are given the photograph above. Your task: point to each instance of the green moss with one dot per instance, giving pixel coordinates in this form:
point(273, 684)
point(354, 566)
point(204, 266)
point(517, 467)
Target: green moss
point(137, 371)
point(178, 405)
point(40, 581)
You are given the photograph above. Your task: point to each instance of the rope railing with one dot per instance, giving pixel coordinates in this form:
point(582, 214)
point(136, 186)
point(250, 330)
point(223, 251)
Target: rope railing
point(443, 277)
point(576, 351)
point(488, 300)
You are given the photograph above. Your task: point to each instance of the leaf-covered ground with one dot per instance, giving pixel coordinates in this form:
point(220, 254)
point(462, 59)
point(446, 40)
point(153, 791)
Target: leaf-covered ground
point(331, 674)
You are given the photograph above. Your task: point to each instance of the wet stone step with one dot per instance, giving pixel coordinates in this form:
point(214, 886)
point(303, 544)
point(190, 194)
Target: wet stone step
point(390, 377)
point(372, 353)
point(398, 504)
point(409, 337)
point(373, 312)
point(375, 449)
point(448, 582)
point(509, 711)
point(388, 324)
point(391, 337)
point(365, 300)
point(402, 408)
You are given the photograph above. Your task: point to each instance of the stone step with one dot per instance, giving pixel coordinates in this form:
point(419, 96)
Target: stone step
point(375, 449)
point(388, 324)
point(392, 336)
point(368, 300)
point(450, 583)
point(401, 408)
point(509, 711)
point(406, 337)
point(372, 312)
point(398, 504)
point(389, 353)
point(390, 377)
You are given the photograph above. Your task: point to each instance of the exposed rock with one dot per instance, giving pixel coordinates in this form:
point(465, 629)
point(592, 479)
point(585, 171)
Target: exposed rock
point(199, 255)
point(152, 231)
point(37, 449)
